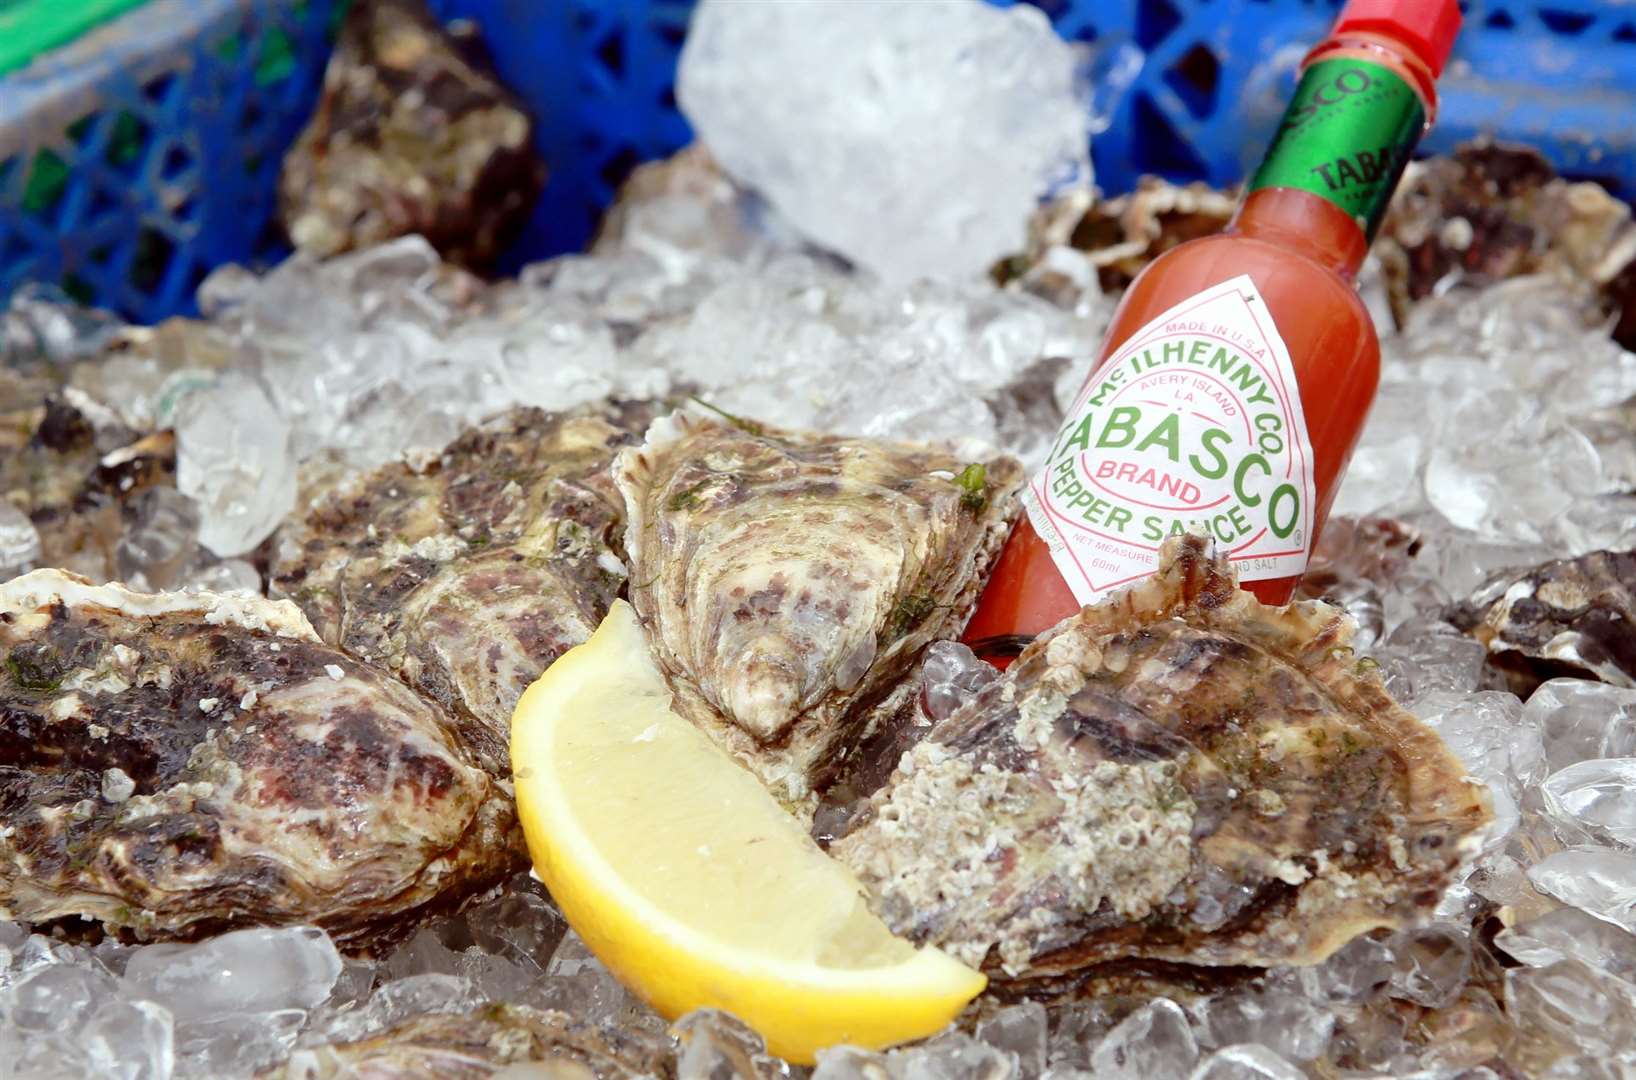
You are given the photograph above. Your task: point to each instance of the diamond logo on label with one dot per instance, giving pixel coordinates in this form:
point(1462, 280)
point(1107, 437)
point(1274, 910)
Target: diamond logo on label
point(1193, 425)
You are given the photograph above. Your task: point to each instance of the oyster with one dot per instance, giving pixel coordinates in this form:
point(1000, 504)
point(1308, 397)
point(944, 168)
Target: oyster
point(77, 496)
point(1123, 234)
point(480, 1043)
point(1493, 211)
point(687, 199)
point(789, 581)
point(1080, 246)
point(176, 764)
point(1177, 774)
point(1565, 617)
point(410, 136)
point(82, 449)
point(469, 573)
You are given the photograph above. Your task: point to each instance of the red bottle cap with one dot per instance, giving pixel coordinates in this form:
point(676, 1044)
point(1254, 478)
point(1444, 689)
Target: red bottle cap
point(1426, 26)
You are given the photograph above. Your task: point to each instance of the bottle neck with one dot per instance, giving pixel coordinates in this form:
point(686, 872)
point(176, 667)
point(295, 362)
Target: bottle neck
point(1363, 102)
point(1305, 223)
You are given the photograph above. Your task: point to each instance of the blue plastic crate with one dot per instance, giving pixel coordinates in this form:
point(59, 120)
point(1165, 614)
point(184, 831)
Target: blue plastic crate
point(1216, 74)
point(137, 233)
point(141, 156)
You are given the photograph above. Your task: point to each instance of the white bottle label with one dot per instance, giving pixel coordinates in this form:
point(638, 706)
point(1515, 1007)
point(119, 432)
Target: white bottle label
point(1194, 425)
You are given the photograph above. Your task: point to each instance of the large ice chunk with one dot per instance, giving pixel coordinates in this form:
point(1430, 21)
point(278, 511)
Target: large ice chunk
point(1598, 880)
point(914, 139)
point(233, 458)
point(19, 541)
point(245, 971)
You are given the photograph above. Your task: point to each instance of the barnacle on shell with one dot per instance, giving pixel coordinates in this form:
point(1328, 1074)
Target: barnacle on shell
point(1176, 774)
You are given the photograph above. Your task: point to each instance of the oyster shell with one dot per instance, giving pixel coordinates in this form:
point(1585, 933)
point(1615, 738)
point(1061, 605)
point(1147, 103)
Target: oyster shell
point(1177, 774)
point(410, 136)
point(78, 497)
point(1080, 246)
point(1123, 234)
point(1492, 211)
point(469, 573)
point(789, 581)
point(176, 764)
point(480, 1043)
point(1564, 617)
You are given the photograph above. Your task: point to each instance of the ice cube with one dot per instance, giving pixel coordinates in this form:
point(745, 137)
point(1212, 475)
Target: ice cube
point(1077, 1029)
point(42, 321)
point(1425, 655)
point(395, 1001)
point(57, 997)
point(1594, 800)
point(19, 541)
point(1247, 1062)
point(798, 344)
point(1581, 719)
point(1155, 1040)
point(580, 985)
point(229, 575)
point(1569, 933)
point(851, 1063)
point(1020, 1030)
point(233, 458)
point(914, 139)
point(1598, 880)
point(521, 923)
point(1359, 971)
point(1369, 1036)
point(243, 971)
point(130, 1040)
point(953, 1055)
point(239, 1044)
point(160, 541)
point(719, 1046)
point(950, 676)
point(1275, 1016)
point(1391, 448)
point(1432, 964)
point(1581, 1006)
point(1492, 737)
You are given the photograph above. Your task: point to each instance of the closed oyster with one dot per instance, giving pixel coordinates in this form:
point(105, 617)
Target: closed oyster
point(1177, 774)
point(176, 764)
point(469, 573)
point(480, 1043)
point(1571, 617)
point(413, 134)
point(1492, 211)
point(789, 581)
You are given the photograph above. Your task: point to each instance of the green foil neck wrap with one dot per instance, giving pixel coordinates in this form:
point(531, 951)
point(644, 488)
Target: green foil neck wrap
point(1346, 136)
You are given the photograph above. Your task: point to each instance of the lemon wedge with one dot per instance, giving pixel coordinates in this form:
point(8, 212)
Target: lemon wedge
point(686, 877)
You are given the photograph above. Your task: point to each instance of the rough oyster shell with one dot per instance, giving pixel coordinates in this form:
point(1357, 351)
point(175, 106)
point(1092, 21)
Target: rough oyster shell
point(789, 581)
point(1079, 244)
point(177, 764)
point(1177, 774)
point(78, 497)
point(1491, 211)
point(1564, 617)
point(410, 136)
point(481, 1043)
point(470, 573)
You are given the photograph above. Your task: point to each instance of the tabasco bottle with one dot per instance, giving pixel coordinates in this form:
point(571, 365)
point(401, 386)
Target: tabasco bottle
point(1239, 369)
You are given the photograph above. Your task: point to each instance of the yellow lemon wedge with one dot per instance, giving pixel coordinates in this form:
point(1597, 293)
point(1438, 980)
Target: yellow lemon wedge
point(690, 881)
